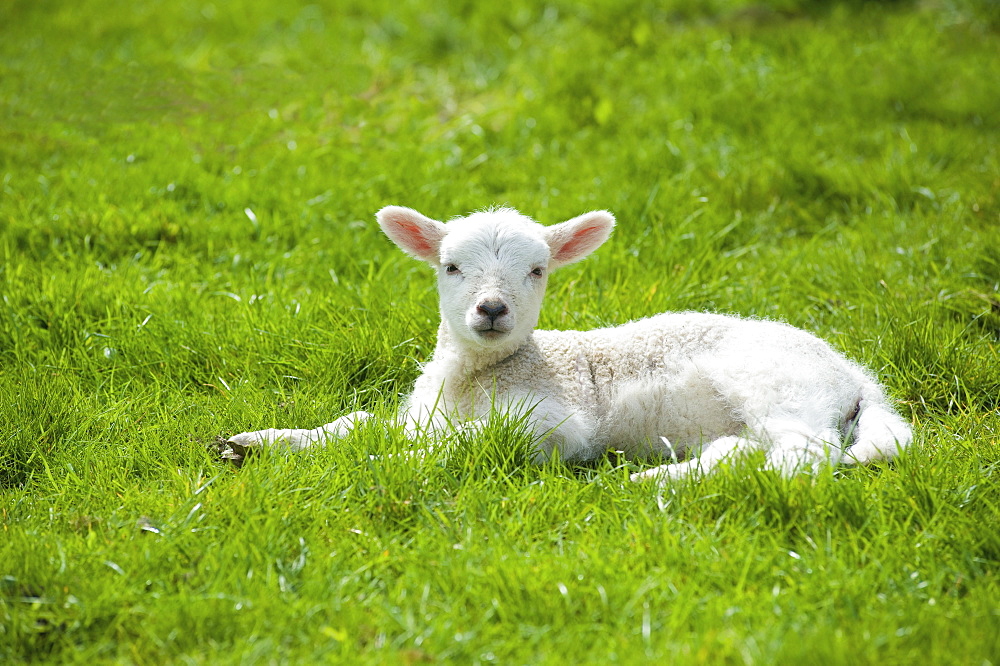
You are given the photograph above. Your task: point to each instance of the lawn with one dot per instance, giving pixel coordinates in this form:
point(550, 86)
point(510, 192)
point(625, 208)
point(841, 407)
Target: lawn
point(188, 250)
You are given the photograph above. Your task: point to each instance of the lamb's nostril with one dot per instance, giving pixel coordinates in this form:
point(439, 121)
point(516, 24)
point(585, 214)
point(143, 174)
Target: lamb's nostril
point(492, 309)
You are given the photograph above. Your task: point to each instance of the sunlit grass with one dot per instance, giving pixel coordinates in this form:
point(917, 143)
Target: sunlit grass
point(187, 250)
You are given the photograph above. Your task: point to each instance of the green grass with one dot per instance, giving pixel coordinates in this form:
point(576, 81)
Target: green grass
point(188, 249)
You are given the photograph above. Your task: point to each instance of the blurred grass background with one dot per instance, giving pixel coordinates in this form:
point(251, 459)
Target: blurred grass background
point(187, 249)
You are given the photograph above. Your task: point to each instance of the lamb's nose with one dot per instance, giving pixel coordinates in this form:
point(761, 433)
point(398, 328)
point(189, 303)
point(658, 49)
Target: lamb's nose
point(492, 309)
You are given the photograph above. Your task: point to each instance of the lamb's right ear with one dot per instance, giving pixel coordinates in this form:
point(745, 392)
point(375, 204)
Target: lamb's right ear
point(415, 234)
point(574, 239)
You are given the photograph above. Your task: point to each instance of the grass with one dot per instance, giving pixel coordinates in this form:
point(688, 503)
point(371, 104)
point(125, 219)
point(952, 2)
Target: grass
point(187, 249)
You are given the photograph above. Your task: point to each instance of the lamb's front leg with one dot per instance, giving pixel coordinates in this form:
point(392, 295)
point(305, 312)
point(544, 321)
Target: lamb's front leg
point(296, 439)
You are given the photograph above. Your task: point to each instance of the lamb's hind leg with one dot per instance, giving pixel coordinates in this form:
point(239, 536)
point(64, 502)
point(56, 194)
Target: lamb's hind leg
point(296, 439)
point(794, 446)
point(790, 447)
point(711, 455)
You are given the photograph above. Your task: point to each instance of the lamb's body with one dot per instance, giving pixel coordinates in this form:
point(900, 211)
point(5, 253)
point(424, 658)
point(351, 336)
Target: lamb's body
point(691, 385)
point(693, 379)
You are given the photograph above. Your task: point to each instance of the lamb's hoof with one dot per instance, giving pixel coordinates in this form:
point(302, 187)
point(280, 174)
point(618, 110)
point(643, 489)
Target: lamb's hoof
point(665, 474)
point(654, 474)
point(236, 449)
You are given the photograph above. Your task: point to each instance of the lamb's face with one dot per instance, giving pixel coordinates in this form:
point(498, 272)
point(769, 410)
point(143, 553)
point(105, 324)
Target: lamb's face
point(492, 272)
point(493, 266)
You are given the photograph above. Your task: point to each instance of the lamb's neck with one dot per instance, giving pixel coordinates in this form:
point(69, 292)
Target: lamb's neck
point(465, 361)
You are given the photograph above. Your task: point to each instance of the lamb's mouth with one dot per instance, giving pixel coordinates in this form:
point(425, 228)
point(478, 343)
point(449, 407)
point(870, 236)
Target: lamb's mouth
point(491, 333)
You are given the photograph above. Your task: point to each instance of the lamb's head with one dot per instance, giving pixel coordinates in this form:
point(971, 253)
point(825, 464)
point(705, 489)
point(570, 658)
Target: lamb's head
point(493, 265)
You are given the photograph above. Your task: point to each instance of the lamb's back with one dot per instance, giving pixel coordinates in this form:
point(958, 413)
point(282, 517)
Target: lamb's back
point(634, 348)
point(668, 344)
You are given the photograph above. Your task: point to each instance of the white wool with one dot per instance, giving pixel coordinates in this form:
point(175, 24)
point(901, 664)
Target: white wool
point(700, 386)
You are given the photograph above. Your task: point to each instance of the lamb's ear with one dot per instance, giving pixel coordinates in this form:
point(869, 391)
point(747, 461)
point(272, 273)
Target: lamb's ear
point(574, 239)
point(415, 234)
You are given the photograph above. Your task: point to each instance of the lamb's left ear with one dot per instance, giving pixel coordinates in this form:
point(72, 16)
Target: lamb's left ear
point(574, 239)
point(417, 235)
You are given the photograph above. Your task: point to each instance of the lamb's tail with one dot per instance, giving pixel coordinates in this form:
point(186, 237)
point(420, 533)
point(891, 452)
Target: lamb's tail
point(879, 433)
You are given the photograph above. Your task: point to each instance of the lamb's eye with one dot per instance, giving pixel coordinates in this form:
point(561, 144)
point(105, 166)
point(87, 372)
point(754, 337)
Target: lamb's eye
point(537, 272)
point(451, 269)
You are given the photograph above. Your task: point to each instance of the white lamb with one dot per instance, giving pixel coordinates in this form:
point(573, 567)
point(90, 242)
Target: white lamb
point(695, 386)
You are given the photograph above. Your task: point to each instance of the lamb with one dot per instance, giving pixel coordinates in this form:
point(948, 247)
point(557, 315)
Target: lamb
point(692, 388)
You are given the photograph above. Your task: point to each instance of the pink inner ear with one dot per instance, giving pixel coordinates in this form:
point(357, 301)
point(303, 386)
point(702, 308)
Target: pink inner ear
point(415, 238)
point(579, 242)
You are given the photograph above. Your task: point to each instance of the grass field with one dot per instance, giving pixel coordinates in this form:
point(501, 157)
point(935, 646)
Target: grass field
point(188, 250)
